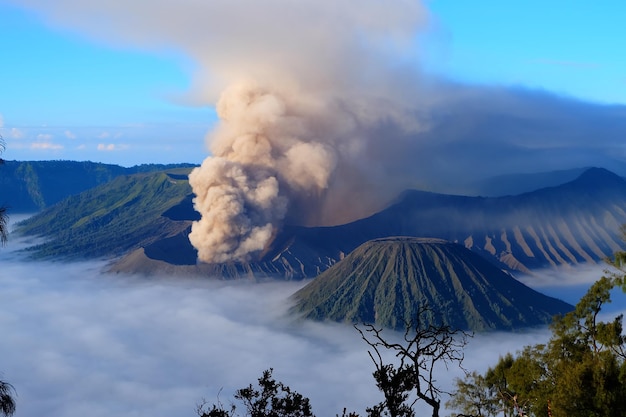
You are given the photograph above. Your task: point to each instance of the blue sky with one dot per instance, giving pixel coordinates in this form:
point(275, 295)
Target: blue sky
point(65, 94)
point(569, 47)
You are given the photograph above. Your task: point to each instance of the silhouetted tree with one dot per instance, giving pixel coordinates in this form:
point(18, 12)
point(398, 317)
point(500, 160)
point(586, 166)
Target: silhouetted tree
point(424, 348)
point(7, 402)
point(3, 211)
point(270, 399)
point(411, 379)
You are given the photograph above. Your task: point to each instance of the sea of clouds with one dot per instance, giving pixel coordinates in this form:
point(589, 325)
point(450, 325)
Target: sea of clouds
point(78, 342)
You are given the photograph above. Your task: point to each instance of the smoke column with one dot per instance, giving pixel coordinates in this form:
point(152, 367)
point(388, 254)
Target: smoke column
point(302, 88)
point(302, 106)
point(307, 84)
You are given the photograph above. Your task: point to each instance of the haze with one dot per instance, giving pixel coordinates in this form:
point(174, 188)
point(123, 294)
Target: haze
point(77, 342)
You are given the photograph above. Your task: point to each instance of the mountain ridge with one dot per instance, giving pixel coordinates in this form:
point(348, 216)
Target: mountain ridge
point(545, 228)
point(572, 223)
point(31, 186)
point(111, 219)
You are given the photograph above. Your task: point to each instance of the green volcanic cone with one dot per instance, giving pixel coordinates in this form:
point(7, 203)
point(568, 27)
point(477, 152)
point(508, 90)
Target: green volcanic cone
point(385, 281)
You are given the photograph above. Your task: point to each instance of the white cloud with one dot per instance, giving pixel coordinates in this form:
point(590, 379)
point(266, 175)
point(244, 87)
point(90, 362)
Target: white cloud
point(581, 275)
point(1, 121)
point(69, 134)
point(44, 143)
point(46, 146)
point(107, 147)
point(16, 133)
point(45, 136)
point(76, 342)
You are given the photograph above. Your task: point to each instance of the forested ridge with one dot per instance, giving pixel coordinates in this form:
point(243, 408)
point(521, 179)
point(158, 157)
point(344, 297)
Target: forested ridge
point(127, 216)
point(31, 186)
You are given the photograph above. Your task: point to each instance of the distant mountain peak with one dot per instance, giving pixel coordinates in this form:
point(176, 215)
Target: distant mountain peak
point(597, 176)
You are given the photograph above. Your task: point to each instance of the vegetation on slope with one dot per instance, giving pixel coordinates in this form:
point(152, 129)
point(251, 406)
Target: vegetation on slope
point(30, 186)
point(580, 372)
point(110, 219)
point(384, 281)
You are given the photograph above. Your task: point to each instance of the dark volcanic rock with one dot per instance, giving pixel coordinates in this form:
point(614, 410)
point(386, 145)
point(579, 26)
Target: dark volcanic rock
point(574, 223)
point(385, 281)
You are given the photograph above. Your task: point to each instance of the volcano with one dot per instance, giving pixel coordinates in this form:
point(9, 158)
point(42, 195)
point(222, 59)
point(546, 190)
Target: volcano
point(142, 222)
point(385, 281)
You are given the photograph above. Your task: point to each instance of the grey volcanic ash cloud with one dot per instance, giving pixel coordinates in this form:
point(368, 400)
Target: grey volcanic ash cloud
point(300, 87)
point(325, 115)
point(291, 117)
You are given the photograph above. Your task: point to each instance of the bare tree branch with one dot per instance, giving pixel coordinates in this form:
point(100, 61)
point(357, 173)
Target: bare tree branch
point(424, 349)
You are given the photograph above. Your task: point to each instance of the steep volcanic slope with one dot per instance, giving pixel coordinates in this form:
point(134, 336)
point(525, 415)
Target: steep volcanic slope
point(384, 281)
point(130, 211)
point(573, 223)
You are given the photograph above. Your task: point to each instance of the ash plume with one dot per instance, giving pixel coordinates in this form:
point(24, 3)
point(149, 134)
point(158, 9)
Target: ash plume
point(299, 88)
point(286, 123)
point(325, 115)
point(274, 157)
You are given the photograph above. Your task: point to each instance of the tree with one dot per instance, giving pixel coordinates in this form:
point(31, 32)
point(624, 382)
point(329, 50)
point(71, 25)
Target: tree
point(517, 384)
point(474, 396)
point(411, 379)
point(424, 349)
point(585, 356)
point(581, 371)
point(271, 399)
point(3, 212)
point(7, 402)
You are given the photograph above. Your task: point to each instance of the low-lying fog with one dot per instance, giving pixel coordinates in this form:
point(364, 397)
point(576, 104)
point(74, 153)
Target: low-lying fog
point(76, 342)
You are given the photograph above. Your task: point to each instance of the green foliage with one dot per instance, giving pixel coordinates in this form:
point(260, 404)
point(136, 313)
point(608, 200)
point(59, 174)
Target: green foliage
point(31, 186)
point(110, 219)
point(474, 396)
point(384, 281)
point(580, 372)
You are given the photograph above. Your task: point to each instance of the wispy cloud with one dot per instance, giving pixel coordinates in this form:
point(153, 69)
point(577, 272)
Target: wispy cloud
point(44, 136)
point(16, 133)
point(44, 142)
point(46, 146)
point(109, 147)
